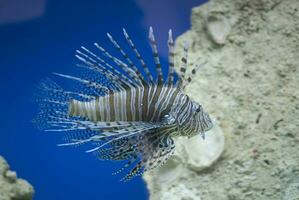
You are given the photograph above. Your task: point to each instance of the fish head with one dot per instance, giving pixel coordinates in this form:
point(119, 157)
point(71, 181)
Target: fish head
point(201, 120)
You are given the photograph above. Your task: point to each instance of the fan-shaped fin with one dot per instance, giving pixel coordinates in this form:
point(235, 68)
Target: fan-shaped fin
point(127, 164)
point(154, 150)
point(137, 170)
point(120, 134)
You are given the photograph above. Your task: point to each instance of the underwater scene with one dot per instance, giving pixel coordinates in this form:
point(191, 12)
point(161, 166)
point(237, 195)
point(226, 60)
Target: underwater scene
point(136, 99)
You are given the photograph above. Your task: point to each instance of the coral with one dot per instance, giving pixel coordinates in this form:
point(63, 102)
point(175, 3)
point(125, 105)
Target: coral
point(250, 86)
point(12, 188)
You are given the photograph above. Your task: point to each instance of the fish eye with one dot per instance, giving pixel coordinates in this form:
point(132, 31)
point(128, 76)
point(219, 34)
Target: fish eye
point(198, 109)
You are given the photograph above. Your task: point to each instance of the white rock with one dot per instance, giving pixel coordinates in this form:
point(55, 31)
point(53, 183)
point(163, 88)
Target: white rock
point(12, 187)
point(180, 192)
point(218, 27)
point(203, 153)
point(170, 171)
point(11, 176)
point(250, 85)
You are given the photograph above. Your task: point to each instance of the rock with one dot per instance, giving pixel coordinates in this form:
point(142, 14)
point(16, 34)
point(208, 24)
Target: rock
point(292, 190)
point(181, 192)
point(201, 153)
point(11, 176)
point(12, 188)
point(218, 27)
point(250, 85)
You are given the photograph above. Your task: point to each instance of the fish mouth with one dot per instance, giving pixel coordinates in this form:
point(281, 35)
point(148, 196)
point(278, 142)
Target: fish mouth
point(209, 127)
point(209, 123)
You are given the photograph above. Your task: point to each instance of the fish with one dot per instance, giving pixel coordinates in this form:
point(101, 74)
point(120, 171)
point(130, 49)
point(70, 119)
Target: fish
point(122, 111)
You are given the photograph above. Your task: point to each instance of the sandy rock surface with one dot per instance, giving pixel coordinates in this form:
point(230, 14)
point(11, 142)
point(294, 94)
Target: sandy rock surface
point(250, 85)
point(12, 188)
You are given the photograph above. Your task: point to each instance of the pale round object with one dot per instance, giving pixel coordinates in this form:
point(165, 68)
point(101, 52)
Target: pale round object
point(218, 27)
point(170, 171)
point(202, 153)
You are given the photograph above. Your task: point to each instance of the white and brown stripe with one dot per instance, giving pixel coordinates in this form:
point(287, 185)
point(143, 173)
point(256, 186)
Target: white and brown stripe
point(148, 103)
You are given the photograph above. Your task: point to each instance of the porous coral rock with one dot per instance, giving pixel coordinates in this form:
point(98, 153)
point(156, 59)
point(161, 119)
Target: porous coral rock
point(251, 86)
point(12, 188)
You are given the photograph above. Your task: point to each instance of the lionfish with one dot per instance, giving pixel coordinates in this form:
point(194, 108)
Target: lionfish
point(126, 114)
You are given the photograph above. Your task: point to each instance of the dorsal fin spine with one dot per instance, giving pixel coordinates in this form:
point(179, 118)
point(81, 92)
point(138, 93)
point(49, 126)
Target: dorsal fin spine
point(109, 71)
point(129, 72)
point(139, 57)
point(123, 53)
point(170, 79)
point(156, 56)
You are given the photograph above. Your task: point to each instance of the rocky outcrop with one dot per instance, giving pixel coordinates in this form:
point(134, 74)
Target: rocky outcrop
point(250, 85)
point(12, 188)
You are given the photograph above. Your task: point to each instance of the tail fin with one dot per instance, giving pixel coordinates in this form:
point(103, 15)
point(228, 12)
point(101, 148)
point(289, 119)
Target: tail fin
point(52, 104)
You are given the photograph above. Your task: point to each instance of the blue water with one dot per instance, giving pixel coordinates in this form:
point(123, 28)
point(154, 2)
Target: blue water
point(38, 37)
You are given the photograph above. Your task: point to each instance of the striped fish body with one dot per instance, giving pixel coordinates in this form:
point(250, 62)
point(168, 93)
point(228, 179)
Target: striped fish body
point(148, 104)
point(124, 114)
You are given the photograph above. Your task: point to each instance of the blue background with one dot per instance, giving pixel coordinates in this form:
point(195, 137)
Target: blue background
point(38, 37)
